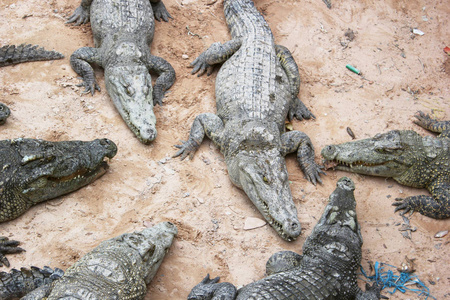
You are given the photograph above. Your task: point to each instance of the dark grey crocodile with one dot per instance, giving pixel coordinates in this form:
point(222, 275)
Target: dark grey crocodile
point(327, 269)
point(8, 246)
point(256, 89)
point(11, 54)
point(123, 31)
point(407, 157)
point(34, 171)
point(119, 268)
point(4, 113)
point(17, 283)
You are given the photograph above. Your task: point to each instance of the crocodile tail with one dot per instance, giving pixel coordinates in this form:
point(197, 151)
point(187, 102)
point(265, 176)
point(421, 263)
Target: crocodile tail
point(11, 54)
point(16, 284)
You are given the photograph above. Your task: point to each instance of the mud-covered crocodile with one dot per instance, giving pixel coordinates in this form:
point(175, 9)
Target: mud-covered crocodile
point(407, 157)
point(123, 31)
point(11, 54)
point(256, 89)
point(33, 171)
point(327, 269)
point(119, 268)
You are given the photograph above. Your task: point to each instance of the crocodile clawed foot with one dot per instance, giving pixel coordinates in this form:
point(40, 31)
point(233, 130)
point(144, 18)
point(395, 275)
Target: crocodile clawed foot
point(422, 119)
point(312, 173)
point(160, 12)
point(8, 246)
point(89, 88)
point(201, 66)
point(300, 111)
point(186, 148)
point(80, 16)
point(402, 204)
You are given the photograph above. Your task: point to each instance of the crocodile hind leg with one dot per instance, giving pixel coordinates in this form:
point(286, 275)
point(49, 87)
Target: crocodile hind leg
point(215, 54)
point(209, 289)
point(425, 121)
point(166, 77)
point(209, 124)
point(160, 11)
point(282, 261)
point(298, 141)
point(436, 206)
point(298, 108)
point(81, 61)
point(8, 246)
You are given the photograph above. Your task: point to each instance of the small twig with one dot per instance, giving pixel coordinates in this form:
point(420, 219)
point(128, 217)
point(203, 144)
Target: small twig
point(379, 70)
point(191, 33)
point(423, 67)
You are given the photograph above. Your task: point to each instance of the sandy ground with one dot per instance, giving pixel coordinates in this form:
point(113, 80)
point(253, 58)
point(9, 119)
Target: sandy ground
point(404, 73)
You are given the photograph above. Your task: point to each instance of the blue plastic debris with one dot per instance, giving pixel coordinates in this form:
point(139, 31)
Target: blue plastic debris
point(387, 279)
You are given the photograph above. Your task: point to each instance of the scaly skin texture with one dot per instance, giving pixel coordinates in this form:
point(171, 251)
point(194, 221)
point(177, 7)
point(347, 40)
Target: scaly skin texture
point(256, 89)
point(4, 113)
point(8, 246)
point(34, 171)
point(326, 270)
point(123, 31)
point(119, 268)
point(16, 284)
point(11, 54)
point(407, 157)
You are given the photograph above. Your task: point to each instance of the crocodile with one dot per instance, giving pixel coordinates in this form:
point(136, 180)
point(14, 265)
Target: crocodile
point(327, 269)
point(123, 31)
point(119, 268)
point(17, 283)
point(408, 158)
point(4, 113)
point(12, 54)
point(256, 89)
point(34, 170)
point(8, 246)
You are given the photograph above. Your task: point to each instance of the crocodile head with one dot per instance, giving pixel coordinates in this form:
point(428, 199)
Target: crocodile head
point(4, 113)
point(152, 244)
point(263, 176)
point(336, 238)
point(130, 88)
point(389, 154)
point(35, 170)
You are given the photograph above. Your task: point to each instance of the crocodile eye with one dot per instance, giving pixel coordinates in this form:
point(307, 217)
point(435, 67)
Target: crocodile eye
point(130, 90)
point(266, 180)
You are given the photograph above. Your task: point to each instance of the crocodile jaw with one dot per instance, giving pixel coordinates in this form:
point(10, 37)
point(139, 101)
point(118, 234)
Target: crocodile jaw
point(264, 179)
point(130, 88)
point(384, 155)
point(70, 166)
point(152, 244)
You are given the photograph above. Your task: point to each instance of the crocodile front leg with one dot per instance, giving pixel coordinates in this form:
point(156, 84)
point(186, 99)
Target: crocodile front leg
point(166, 77)
point(160, 11)
point(372, 293)
point(215, 54)
point(436, 206)
point(82, 14)
point(8, 246)
point(298, 141)
point(80, 61)
point(298, 108)
point(209, 124)
point(425, 121)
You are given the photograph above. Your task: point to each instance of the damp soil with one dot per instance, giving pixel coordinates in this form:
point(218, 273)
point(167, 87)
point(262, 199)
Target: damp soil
point(402, 73)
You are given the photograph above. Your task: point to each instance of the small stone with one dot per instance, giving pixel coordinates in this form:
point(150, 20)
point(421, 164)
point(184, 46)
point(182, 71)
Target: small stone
point(252, 223)
point(185, 56)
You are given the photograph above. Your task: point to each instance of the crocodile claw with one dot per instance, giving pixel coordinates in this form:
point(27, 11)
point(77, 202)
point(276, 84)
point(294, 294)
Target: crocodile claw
point(80, 16)
point(312, 173)
point(402, 204)
point(89, 88)
point(160, 12)
point(300, 111)
point(423, 119)
point(201, 66)
point(8, 246)
point(188, 147)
